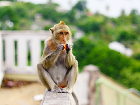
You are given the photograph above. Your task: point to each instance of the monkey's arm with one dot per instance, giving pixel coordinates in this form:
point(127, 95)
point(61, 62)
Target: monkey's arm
point(70, 59)
point(71, 76)
point(51, 57)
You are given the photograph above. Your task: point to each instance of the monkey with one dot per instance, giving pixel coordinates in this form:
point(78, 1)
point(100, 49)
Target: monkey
point(58, 68)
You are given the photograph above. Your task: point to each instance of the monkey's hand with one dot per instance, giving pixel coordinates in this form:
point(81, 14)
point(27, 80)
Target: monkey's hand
point(55, 53)
point(64, 90)
point(60, 47)
point(60, 90)
point(68, 48)
point(57, 89)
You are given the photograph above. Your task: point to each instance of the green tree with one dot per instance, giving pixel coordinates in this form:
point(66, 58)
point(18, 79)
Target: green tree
point(111, 63)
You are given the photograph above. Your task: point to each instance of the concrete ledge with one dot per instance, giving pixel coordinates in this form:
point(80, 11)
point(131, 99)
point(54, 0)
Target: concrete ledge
point(53, 98)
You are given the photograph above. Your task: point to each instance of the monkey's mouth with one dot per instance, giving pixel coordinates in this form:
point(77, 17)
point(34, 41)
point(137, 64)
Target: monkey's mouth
point(62, 42)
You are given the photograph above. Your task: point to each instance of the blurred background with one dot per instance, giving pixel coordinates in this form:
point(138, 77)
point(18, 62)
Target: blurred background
point(106, 36)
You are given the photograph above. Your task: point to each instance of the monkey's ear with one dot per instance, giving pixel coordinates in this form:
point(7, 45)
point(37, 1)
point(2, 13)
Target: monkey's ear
point(52, 30)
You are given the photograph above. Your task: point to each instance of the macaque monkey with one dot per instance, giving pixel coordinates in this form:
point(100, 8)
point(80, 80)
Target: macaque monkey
point(58, 68)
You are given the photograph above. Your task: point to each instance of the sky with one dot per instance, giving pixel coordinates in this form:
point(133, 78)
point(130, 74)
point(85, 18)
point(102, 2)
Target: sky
point(115, 6)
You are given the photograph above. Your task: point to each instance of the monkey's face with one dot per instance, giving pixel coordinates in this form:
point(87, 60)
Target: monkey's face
point(61, 33)
point(62, 36)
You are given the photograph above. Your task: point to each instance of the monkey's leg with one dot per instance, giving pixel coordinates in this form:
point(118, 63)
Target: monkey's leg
point(71, 77)
point(45, 78)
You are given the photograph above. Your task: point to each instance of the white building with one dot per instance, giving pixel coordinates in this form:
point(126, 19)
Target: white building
point(120, 48)
point(5, 3)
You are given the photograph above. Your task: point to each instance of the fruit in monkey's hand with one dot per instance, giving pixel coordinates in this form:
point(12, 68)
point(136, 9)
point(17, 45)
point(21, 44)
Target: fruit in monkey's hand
point(66, 47)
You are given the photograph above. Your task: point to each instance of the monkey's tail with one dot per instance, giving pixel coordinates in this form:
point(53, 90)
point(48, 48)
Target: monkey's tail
point(75, 98)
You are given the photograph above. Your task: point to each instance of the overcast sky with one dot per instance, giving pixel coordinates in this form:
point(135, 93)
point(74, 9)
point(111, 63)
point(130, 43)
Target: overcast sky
point(115, 6)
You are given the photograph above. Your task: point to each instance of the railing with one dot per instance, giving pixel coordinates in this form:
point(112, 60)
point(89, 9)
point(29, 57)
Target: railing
point(1, 72)
point(21, 51)
point(110, 93)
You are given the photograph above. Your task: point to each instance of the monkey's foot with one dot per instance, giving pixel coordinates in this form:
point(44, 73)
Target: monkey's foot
point(64, 90)
point(58, 90)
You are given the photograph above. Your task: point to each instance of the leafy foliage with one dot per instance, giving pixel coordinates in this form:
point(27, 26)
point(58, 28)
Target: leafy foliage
point(120, 67)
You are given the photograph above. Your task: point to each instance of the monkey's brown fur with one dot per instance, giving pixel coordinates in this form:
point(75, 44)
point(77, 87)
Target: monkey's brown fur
point(58, 69)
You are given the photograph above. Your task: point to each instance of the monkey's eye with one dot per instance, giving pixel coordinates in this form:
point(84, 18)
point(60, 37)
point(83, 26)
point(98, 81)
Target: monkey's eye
point(66, 33)
point(60, 32)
